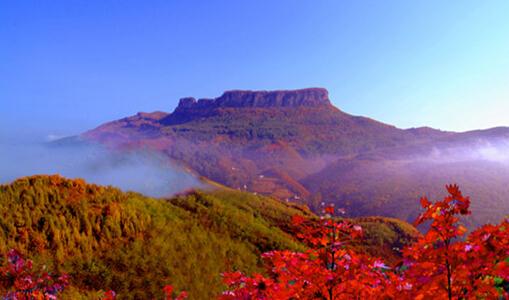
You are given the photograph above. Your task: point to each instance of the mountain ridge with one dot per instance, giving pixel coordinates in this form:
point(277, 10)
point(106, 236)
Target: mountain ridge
point(277, 143)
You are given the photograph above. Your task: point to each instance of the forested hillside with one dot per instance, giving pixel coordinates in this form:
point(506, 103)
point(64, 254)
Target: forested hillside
point(106, 239)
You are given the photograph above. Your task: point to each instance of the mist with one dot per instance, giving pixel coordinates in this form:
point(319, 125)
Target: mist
point(482, 150)
point(145, 172)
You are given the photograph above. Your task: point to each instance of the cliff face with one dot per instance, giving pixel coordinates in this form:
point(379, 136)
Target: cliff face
point(190, 108)
point(239, 98)
point(295, 98)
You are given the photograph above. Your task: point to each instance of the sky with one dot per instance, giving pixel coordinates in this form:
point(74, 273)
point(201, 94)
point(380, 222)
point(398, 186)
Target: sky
point(68, 66)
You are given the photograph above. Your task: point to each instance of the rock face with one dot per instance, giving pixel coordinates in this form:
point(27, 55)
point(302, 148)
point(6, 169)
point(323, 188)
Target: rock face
point(294, 98)
point(190, 108)
point(239, 98)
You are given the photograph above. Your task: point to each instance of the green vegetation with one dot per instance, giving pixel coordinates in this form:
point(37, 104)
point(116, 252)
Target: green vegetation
point(385, 237)
point(107, 239)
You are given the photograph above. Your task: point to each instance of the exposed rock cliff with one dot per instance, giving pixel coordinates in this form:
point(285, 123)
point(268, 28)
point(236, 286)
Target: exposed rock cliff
point(190, 108)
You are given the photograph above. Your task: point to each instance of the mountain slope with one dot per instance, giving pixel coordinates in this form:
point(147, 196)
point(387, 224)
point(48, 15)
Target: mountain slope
point(304, 120)
point(106, 239)
point(296, 145)
point(256, 140)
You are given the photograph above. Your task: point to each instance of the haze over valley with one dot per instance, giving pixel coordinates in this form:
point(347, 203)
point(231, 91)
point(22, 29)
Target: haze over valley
point(254, 150)
point(296, 146)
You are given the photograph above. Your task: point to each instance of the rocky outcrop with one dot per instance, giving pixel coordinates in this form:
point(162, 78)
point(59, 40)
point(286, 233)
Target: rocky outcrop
point(190, 108)
point(293, 98)
point(239, 98)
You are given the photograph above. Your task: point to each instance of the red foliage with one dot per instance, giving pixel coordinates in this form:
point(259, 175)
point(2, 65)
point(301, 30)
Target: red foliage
point(109, 295)
point(168, 293)
point(328, 271)
point(167, 289)
point(18, 281)
point(442, 264)
point(439, 265)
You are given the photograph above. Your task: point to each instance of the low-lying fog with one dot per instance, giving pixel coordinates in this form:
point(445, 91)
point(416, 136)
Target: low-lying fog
point(483, 150)
point(145, 172)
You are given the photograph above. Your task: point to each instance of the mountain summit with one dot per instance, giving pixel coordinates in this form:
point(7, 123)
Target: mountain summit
point(296, 145)
point(242, 98)
point(190, 108)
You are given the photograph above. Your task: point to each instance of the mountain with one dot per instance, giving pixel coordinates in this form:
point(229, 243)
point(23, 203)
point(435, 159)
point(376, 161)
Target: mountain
point(107, 239)
point(296, 145)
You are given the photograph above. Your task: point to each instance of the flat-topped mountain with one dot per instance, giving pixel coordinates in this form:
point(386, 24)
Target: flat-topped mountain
point(189, 108)
point(296, 145)
point(241, 98)
point(304, 119)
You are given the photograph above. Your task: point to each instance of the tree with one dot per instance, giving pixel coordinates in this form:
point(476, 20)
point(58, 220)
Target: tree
point(441, 265)
point(329, 270)
point(18, 281)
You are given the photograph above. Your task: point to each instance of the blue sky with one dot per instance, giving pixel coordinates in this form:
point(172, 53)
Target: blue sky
point(67, 66)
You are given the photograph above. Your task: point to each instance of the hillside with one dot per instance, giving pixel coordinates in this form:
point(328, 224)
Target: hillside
point(394, 185)
point(264, 142)
point(107, 239)
point(296, 145)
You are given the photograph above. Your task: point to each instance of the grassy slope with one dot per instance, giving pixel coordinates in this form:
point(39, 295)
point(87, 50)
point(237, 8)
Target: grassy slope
point(107, 239)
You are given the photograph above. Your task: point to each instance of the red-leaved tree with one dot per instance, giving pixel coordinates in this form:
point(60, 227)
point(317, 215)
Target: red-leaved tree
point(440, 265)
point(18, 281)
point(329, 270)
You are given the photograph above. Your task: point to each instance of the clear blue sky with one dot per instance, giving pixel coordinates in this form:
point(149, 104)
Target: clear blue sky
point(67, 66)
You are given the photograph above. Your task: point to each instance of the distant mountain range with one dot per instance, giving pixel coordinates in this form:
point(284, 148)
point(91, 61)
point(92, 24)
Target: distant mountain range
point(296, 145)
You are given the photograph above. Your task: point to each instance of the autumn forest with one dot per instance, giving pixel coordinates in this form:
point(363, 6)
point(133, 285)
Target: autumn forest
point(254, 150)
